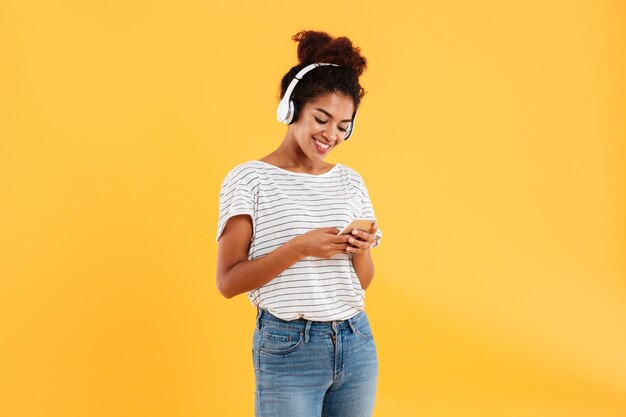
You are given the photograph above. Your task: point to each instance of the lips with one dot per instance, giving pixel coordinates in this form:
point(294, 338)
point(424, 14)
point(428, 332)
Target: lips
point(319, 146)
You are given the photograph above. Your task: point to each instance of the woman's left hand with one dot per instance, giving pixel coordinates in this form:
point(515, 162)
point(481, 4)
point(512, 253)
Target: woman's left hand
point(360, 241)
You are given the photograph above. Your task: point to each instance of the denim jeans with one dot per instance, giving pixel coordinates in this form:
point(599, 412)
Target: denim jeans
point(308, 368)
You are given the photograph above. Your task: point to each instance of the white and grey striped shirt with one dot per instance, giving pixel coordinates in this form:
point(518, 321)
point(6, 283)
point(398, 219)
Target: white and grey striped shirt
point(284, 204)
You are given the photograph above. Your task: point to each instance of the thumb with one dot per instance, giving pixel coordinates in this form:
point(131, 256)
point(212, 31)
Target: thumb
point(333, 230)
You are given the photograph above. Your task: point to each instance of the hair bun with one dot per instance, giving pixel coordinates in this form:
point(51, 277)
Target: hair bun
point(316, 46)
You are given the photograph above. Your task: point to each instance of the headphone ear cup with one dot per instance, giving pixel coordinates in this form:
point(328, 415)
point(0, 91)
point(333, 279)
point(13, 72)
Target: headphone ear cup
point(293, 111)
point(351, 127)
point(282, 112)
point(289, 116)
point(286, 112)
point(289, 119)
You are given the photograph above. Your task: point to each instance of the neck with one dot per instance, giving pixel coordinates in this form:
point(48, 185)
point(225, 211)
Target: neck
point(290, 154)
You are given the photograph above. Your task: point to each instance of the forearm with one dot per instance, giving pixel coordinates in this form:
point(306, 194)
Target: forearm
point(364, 267)
point(251, 274)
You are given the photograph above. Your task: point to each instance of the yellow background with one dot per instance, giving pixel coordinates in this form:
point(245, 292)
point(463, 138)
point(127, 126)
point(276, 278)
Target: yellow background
point(492, 141)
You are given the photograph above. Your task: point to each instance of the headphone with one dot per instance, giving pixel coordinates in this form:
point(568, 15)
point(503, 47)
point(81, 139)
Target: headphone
point(287, 110)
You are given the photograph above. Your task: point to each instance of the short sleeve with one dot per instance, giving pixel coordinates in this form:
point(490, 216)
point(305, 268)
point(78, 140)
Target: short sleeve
point(237, 197)
point(367, 209)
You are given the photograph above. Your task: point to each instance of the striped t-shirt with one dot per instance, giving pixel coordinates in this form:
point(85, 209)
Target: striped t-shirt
point(284, 204)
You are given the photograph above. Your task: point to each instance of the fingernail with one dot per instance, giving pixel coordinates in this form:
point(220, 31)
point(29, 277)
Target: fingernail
point(354, 232)
point(351, 240)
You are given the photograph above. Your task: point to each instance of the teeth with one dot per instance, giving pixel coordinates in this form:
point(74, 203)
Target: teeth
point(321, 144)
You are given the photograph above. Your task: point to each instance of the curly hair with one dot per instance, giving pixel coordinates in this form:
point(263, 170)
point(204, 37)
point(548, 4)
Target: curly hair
point(316, 46)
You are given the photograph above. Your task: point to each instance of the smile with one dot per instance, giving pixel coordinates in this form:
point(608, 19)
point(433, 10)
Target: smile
point(322, 147)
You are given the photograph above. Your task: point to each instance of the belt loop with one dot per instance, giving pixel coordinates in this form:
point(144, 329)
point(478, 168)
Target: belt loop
point(258, 317)
point(306, 331)
point(352, 326)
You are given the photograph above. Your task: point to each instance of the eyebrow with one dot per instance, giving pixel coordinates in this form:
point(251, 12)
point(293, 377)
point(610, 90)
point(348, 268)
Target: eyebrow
point(330, 115)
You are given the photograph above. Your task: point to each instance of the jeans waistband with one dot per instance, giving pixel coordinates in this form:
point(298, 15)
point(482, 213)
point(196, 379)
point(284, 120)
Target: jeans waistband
point(265, 317)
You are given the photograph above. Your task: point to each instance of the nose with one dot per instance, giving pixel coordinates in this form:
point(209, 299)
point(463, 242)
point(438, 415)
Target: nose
point(331, 132)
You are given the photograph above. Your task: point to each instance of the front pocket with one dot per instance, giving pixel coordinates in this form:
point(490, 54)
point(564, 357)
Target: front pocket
point(364, 336)
point(362, 327)
point(280, 341)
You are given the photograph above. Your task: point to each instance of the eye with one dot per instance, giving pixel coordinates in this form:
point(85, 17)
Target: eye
point(343, 130)
point(322, 122)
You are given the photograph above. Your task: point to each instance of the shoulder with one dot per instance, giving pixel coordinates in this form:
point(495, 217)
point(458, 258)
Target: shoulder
point(351, 173)
point(242, 169)
point(245, 171)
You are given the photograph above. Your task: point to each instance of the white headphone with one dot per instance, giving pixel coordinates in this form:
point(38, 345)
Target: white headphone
point(286, 111)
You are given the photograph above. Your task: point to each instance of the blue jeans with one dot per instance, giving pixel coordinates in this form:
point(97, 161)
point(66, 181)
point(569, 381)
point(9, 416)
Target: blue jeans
point(308, 368)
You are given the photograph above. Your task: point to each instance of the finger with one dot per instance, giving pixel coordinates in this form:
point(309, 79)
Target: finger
point(363, 235)
point(373, 227)
point(358, 243)
point(343, 248)
point(340, 239)
point(352, 249)
point(332, 230)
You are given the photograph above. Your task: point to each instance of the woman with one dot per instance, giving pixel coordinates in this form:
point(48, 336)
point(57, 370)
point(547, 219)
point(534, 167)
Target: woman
point(313, 349)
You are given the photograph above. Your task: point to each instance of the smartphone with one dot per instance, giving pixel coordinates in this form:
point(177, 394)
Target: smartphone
point(363, 224)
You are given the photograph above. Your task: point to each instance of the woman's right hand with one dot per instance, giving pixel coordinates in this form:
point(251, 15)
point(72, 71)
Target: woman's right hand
point(321, 243)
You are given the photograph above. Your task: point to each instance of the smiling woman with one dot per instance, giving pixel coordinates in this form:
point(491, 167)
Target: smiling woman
point(278, 242)
point(321, 126)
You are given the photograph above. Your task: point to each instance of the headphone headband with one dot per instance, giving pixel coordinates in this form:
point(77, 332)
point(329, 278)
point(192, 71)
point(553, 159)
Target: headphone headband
point(286, 110)
point(299, 76)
